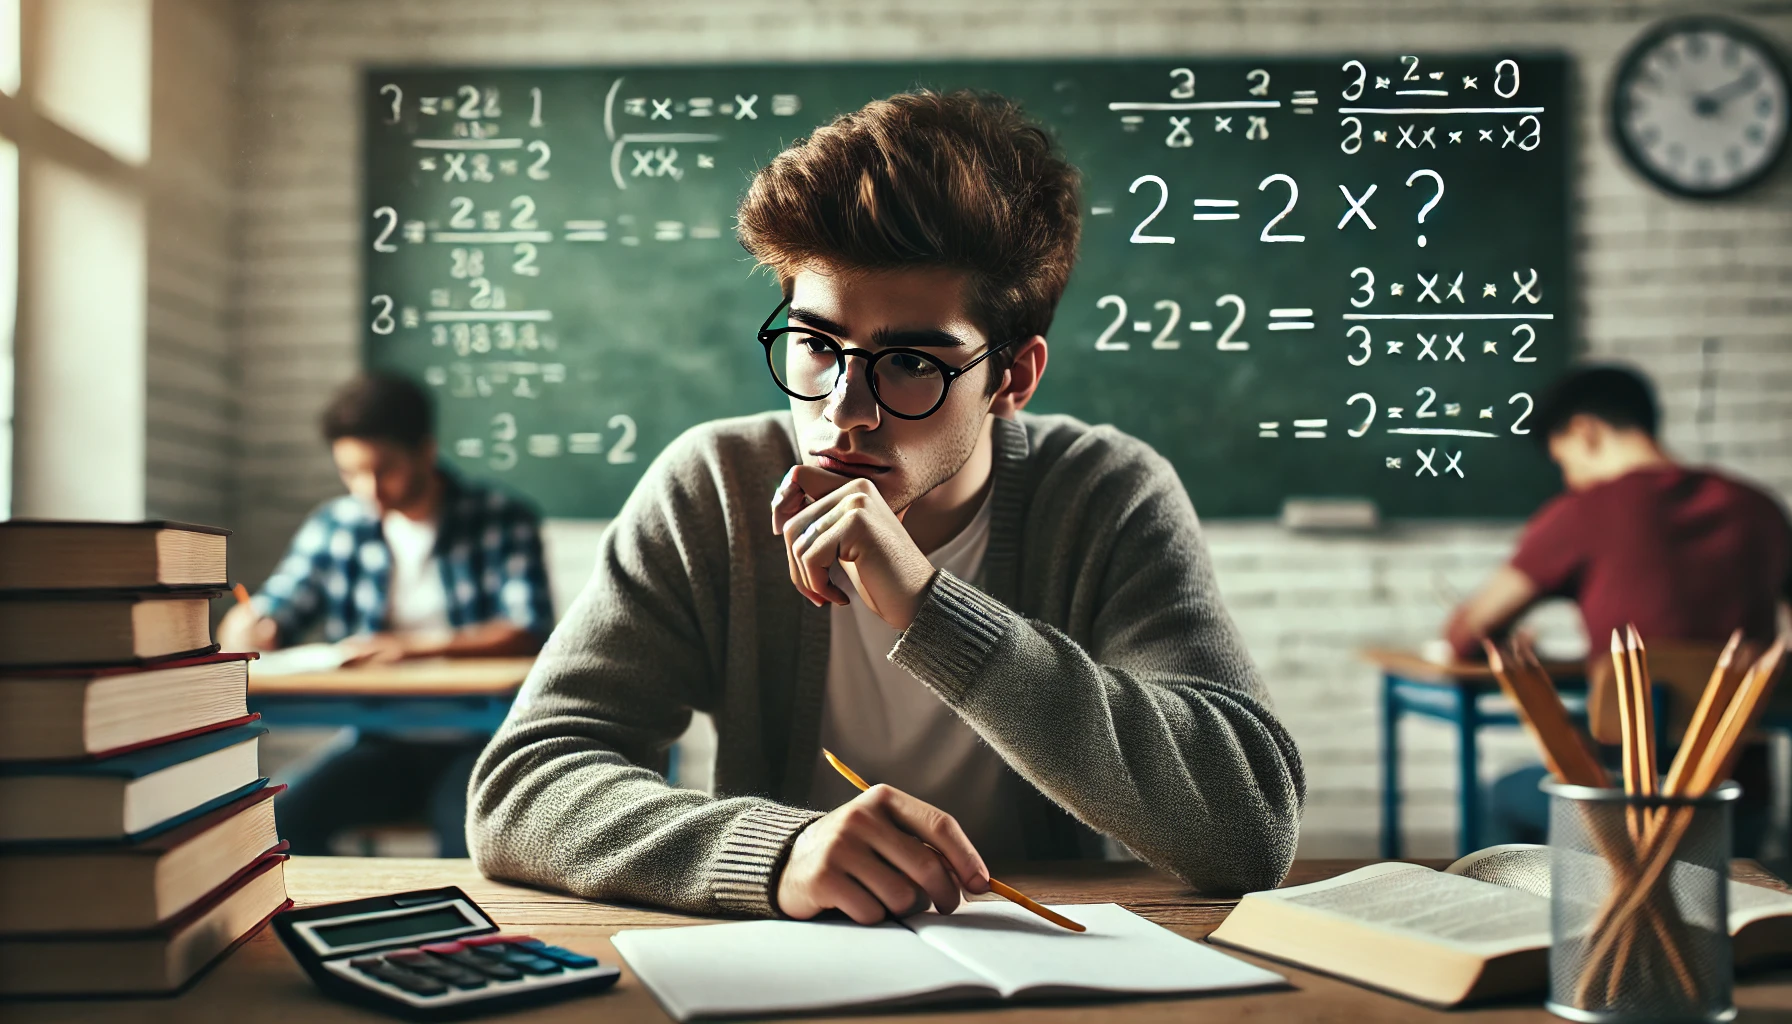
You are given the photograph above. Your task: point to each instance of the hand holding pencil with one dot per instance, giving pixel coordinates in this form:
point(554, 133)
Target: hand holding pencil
point(244, 628)
point(886, 854)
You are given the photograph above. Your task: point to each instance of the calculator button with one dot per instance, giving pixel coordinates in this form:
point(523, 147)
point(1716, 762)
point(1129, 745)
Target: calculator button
point(515, 954)
point(442, 948)
point(410, 981)
point(490, 966)
point(565, 956)
point(533, 964)
point(439, 969)
point(462, 978)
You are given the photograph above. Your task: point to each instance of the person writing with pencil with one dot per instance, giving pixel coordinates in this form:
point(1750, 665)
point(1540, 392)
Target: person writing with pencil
point(1007, 621)
point(413, 562)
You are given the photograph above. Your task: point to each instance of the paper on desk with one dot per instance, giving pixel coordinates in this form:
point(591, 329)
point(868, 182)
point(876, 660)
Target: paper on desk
point(983, 950)
point(292, 661)
point(1121, 952)
point(753, 968)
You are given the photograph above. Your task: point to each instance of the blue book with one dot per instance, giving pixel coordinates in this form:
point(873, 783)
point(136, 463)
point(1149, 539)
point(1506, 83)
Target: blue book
point(132, 795)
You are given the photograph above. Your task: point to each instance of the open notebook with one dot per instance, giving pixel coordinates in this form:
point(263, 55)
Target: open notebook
point(982, 951)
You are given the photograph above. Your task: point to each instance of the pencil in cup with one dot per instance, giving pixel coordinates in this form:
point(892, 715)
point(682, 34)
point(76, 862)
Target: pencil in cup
point(1002, 889)
point(1571, 760)
point(1713, 760)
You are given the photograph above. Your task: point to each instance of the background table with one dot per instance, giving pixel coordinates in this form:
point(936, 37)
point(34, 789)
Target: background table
point(1449, 692)
point(260, 982)
point(470, 694)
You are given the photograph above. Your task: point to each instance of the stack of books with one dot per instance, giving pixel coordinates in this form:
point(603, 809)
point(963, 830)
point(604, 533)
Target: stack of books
point(137, 841)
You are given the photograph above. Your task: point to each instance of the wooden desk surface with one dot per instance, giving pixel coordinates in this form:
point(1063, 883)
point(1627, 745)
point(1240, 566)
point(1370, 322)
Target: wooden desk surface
point(1411, 665)
point(260, 982)
point(422, 677)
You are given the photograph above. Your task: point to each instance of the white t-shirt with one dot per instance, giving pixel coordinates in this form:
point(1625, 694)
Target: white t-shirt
point(417, 601)
point(889, 727)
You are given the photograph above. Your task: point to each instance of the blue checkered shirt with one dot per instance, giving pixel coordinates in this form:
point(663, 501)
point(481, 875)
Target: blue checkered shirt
point(338, 570)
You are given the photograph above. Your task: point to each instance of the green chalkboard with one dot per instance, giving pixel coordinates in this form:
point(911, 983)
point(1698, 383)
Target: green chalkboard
point(551, 250)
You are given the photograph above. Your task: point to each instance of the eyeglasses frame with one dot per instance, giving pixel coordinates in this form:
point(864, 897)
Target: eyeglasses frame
point(768, 336)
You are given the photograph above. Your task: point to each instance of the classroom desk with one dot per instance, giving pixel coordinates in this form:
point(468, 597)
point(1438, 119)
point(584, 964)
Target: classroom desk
point(1412, 685)
point(470, 694)
point(260, 982)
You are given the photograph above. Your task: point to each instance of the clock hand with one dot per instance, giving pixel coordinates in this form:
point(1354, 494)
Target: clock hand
point(1710, 103)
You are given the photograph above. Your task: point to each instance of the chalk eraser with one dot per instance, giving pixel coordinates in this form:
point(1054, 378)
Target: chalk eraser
point(1330, 514)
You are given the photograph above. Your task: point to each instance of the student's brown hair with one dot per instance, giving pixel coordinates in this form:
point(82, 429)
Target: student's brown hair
point(959, 180)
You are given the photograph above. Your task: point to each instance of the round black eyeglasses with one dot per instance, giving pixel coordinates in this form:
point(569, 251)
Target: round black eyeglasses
point(907, 383)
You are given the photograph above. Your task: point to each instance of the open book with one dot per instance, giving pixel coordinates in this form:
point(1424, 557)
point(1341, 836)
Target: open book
point(982, 951)
point(1478, 929)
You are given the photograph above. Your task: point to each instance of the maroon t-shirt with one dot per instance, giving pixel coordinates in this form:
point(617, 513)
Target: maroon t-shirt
point(1684, 554)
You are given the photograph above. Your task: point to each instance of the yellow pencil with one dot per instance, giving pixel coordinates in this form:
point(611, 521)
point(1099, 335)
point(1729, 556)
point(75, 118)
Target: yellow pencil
point(1007, 892)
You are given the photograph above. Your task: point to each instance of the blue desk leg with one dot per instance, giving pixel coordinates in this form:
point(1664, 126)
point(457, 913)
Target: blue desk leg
point(1468, 770)
point(1390, 768)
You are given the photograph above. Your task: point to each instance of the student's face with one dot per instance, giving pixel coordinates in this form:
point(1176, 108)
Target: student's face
point(921, 309)
point(384, 475)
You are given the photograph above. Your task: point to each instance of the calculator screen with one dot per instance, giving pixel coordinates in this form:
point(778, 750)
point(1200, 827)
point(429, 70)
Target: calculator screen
point(424, 922)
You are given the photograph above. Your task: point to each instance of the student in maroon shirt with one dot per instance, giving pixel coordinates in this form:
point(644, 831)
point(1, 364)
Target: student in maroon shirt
point(1685, 554)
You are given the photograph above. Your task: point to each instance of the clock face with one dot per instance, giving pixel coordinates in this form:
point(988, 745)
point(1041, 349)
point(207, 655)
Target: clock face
point(1700, 107)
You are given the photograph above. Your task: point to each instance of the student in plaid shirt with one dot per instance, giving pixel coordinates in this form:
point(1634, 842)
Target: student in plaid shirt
point(413, 562)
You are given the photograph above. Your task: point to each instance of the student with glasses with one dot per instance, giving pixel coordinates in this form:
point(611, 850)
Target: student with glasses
point(1008, 620)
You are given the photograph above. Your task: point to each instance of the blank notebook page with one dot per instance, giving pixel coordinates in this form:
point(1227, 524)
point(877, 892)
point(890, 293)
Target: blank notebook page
point(760, 967)
point(1120, 952)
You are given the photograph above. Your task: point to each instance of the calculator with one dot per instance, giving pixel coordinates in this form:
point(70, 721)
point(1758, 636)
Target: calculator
point(431, 955)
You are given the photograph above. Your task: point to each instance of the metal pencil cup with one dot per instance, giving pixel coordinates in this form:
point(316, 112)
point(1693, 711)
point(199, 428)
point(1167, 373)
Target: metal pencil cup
point(1639, 907)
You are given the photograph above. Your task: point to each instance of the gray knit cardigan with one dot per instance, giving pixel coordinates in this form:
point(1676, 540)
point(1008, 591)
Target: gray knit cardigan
point(1095, 657)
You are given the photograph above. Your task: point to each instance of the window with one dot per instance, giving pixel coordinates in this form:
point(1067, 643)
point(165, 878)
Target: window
point(74, 136)
point(9, 304)
point(9, 46)
point(90, 71)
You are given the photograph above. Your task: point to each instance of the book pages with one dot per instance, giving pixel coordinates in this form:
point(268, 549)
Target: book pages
point(1477, 916)
point(1527, 866)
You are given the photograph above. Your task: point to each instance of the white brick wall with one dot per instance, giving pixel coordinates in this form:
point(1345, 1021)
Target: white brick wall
point(1691, 292)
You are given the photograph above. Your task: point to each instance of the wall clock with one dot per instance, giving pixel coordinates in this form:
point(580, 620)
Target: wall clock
point(1700, 106)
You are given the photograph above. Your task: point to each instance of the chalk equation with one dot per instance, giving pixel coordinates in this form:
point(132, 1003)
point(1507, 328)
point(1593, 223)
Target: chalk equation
point(1406, 93)
point(1411, 128)
point(474, 243)
point(506, 444)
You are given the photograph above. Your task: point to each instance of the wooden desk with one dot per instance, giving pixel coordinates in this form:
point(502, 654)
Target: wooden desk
point(1449, 692)
point(260, 982)
point(470, 694)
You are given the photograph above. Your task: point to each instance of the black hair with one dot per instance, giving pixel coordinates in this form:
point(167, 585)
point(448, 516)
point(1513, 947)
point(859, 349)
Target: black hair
point(1616, 395)
point(380, 407)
